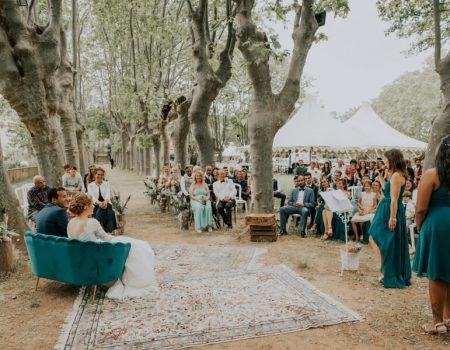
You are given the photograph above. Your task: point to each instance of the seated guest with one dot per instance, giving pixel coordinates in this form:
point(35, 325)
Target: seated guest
point(367, 204)
point(340, 166)
point(73, 181)
point(200, 203)
point(301, 201)
point(337, 175)
point(225, 193)
point(326, 170)
point(243, 183)
point(100, 192)
point(418, 171)
point(377, 189)
point(164, 178)
point(231, 174)
point(90, 176)
point(409, 170)
point(186, 182)
point(328, 215)
point(66, 168)
point(53, 219)
point(410, 187)
point(318, 224)
point(209, 178)
point(277, 192)
point(37, 197)
point(314, 170)
point(301, 169)
point(410, 208)
point(215, 174)
point(351, 173)
point(309, 183)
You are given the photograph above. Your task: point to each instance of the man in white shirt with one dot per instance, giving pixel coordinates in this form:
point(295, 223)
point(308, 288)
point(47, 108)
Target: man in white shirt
point(186, 182)
point(225, 193)
point(340, 166)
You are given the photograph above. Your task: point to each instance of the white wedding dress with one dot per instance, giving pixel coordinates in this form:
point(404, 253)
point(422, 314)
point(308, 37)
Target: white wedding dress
point(138, 278)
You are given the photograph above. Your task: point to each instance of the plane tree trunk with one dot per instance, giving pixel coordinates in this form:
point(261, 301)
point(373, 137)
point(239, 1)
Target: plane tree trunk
point(269, 111)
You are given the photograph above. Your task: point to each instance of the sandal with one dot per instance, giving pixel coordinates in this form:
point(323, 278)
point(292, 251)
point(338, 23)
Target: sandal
point(438, 328)
point(325, 237)
point(447, 323)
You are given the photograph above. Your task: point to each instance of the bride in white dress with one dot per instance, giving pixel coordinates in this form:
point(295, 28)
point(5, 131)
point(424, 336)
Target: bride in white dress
point(138, 278)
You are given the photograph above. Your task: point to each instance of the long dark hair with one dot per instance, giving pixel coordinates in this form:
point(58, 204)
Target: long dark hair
point(396, 161)
point(443, 161)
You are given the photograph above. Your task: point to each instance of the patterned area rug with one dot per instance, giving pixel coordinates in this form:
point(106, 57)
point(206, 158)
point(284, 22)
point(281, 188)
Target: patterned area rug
point(198, 307)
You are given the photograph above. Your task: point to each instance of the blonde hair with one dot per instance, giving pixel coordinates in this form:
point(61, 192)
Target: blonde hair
point(198, 171)
point(79, 203)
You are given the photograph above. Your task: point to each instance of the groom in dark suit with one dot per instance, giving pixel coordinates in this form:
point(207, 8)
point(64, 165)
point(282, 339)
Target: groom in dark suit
point(301, 201)
point(53, 219)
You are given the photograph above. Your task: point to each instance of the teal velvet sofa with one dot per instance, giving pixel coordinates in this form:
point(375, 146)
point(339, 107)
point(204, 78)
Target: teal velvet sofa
point(72, 261)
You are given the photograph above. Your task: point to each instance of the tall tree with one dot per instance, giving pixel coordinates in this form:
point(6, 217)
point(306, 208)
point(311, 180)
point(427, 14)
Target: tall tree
point(209, 81)
point(34, 61)
point(269, 111)
point(180, 130)
point(429, 24)
point(411, 102)
point(9, 203)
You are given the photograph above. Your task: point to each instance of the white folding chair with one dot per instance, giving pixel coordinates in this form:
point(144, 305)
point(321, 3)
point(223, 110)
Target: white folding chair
point(21, 194)
point(239, 199)
point(355, 190)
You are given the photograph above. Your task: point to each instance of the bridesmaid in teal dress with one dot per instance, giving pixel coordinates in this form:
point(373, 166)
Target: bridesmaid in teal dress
point(388, 233)
point(432, 258)
point(200, 203)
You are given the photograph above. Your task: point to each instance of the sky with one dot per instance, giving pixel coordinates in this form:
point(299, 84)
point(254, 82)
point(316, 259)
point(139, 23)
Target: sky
point(357, 60)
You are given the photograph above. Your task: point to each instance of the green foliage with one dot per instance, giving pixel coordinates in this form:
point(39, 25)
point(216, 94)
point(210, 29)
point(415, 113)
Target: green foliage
point(411, 102)
point(98, 121)
point(414, 19)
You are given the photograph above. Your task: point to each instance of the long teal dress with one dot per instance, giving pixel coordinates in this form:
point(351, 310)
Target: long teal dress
point(202, 212)
point(433, 247)
point(393, 245)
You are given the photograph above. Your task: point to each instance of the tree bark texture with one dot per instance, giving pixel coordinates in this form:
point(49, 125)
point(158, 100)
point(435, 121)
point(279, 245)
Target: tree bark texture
point(441, 124)
point(209, 81)
point(32, 57)
point(156, 145)
point(9, 203)
point(148, 161)
point(181, 131)
point(269, 111)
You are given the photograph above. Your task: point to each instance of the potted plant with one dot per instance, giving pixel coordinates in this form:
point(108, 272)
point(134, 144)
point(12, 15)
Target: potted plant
point(7, 253)
point(119, 207)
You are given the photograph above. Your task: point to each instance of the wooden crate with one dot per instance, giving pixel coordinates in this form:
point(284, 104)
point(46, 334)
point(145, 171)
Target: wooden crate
point(261, 219)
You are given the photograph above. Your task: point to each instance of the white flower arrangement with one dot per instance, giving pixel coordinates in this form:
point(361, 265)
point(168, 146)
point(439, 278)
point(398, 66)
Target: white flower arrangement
point(5, 234)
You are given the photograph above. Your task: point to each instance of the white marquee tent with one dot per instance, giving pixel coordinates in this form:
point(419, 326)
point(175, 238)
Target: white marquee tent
point(377, 133)
point(312, 126)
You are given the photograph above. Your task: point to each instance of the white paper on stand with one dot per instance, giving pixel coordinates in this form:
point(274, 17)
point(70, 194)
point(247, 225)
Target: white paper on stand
point(337, 201)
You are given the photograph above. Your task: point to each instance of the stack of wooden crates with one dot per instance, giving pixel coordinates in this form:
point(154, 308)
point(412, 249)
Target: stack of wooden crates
point(263, 227)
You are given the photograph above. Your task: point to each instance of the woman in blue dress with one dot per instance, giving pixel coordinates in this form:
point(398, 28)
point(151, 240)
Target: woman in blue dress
point(433, 247)
point(388, 234)
point(200, 203)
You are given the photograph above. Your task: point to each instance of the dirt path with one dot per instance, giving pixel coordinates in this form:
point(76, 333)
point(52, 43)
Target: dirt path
point(392, 318)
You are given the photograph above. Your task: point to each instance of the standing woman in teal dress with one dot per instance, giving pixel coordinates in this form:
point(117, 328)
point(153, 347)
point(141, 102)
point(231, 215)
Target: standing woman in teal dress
point(432, 258)
point(200, 203)
point(388, 234)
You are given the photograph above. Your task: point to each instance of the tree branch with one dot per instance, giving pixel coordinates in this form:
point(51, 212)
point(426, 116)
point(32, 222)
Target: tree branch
point(303, 36)
point(190, 7)
point(437, 34)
